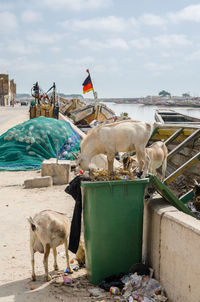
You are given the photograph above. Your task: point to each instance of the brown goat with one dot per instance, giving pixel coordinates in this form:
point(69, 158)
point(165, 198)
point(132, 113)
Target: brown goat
point(49, 229)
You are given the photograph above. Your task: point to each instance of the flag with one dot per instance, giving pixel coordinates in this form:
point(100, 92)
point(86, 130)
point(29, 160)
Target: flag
point(87, 84)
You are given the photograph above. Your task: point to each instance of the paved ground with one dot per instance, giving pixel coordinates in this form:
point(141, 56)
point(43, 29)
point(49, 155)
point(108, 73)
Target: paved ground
point(16, 204)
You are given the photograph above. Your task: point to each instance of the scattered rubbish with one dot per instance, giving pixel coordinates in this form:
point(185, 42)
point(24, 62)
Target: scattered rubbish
point(142, 288)
point(139, 298)
point(140, 269)
point(32, 287)
point(59, 283)
point(192, 206)
point(114, 290)
point(75, 267)
point(103, 175)
point(114, 280)
point(71, 261)
point(66, 271)
point(96, 292)
point(137, 286)
point(68, 280)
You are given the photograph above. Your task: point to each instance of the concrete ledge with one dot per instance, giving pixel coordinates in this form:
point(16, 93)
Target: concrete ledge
point(60, 172)
point(38, 182)
point(171, 246)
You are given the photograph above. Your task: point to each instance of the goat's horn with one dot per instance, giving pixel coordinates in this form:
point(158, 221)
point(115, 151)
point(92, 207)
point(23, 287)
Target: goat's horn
point(74, 156)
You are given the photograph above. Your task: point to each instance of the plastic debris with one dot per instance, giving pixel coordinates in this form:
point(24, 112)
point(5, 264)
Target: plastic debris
point(142, 288)
point(75, 267)
point(67, 271)
point(114, 290)
point(32, 287)
point(68, 280)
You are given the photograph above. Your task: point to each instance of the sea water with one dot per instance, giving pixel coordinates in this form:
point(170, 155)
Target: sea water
point(146, 113)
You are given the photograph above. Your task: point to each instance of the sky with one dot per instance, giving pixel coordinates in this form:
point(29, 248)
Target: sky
point(132, 48)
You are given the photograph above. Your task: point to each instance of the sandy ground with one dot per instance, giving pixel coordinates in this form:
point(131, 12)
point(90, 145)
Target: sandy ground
point(16, 204)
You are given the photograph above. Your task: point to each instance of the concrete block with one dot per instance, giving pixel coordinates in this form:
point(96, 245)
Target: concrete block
point(60, 172)
point(38, 182)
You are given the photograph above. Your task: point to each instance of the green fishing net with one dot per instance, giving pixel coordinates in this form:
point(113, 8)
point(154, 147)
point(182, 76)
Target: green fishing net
point(26, 145)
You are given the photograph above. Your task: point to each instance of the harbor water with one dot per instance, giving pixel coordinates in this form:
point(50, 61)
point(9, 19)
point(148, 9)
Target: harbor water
point(146, 113)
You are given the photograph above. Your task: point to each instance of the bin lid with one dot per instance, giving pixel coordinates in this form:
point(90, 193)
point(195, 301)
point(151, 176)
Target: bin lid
point(168, 195)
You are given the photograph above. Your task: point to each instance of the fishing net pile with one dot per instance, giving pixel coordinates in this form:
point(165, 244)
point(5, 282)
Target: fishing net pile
point(26, 145)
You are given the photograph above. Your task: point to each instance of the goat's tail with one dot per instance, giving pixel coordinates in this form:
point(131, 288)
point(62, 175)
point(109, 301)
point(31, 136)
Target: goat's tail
point(32, 223)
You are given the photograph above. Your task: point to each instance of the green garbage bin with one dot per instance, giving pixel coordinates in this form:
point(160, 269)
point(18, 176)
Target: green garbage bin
point(113, 225)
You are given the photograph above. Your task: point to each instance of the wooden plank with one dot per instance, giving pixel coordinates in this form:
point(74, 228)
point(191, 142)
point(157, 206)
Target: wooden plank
point(173, 136)
point(184, 143)
point(183, 168)
point(187, 196)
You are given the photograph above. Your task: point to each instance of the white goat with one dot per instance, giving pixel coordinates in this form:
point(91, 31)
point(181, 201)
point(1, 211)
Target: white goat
point(156, 156)
point(124, 136)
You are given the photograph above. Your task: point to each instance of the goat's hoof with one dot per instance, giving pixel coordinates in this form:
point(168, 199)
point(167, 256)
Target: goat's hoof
point(56, 267)
point(70, 270)
point(48, 278)
point(33, 277)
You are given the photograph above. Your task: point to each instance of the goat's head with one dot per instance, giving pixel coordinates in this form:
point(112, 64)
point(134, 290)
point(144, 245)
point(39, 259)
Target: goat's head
point(81, 162)
point(130, 162)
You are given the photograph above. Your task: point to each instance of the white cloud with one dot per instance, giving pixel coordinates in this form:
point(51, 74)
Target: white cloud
point(141, 43)
point(151, 19)
point(110, 23)
point(76, 5)
point(30, 16)
point(17, 46)
point(82, 61)
point(189, 13)
point(194, 56)
point(6, 6)
point(157, 68)
point(116, 43)
point(172, 41)
point(43, 38)
point(8, 22)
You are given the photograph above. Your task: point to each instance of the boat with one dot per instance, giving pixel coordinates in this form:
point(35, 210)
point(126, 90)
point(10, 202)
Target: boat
point(167, 116)
point(83, 114)
point(66, 106)
point(181, 135)
point(89, 113)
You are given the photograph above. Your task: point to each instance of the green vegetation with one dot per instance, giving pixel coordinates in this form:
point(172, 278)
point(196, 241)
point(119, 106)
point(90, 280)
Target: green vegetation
point(164, 93)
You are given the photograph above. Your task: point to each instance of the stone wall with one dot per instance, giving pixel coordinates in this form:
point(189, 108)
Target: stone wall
point(171, 246)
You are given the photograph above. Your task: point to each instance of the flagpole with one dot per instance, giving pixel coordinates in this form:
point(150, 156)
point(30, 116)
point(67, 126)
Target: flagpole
point(94, 92)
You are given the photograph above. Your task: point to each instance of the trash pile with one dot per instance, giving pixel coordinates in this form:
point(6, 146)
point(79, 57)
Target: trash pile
point(103, 175)
point(26, 145)
point(135, 287)
point(142, 288)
